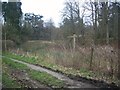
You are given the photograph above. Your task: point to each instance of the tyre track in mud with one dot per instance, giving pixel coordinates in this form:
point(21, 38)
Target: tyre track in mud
point(70, 82)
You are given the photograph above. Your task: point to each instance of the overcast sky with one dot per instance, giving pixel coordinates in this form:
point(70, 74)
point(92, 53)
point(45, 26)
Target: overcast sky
point(47, 8)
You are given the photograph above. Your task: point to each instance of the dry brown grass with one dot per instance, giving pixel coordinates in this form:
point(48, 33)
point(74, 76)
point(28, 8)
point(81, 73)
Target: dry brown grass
point(104, 62)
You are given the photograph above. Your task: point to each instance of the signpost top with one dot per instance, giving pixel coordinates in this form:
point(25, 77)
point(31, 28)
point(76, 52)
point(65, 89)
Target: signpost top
point(74, 36)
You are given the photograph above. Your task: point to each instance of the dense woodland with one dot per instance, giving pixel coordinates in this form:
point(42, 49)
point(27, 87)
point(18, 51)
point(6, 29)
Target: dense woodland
point(96, 22)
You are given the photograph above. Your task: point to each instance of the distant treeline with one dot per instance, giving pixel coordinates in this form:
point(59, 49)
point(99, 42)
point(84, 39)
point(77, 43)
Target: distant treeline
point(102, 25)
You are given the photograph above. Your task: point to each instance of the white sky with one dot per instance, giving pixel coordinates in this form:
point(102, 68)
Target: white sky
point(50, 9)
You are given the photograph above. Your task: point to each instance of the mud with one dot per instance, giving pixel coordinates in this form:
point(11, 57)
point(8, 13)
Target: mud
point(70, 83)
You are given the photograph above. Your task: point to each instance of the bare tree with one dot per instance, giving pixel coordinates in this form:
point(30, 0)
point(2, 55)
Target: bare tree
point(72, 13)
point(105, 19)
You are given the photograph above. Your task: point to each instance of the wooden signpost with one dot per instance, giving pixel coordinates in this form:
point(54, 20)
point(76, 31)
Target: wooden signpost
point(74, 36)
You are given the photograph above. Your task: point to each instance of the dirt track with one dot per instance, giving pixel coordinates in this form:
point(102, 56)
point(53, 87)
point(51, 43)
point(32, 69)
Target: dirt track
point(70, 83)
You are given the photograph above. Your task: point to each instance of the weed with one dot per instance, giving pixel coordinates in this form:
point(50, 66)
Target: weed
point(9, 82)
point(46, 79)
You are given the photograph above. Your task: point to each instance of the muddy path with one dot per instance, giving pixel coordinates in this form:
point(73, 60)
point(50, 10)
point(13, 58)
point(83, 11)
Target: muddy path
point(23, 78)
point(70, 82)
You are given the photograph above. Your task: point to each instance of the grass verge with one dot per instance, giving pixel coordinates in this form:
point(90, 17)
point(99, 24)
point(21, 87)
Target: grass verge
point(42, 77)
point(81, 72)
point(46, 79)
point(9, 82)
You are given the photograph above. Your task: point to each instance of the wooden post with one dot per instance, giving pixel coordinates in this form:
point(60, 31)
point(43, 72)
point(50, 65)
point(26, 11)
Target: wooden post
point(74, 43)
point(28, 54)
point(74, 40)
point(18, 51)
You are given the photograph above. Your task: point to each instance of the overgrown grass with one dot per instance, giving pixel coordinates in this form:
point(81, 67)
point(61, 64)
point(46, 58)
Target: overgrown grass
point(18, 57)
point(9, 82)
point(42, 77)
point(31, 46)
point(46, 79)
point(28, 59)
point(7, 79)
point(82, 71)
point(13, 64)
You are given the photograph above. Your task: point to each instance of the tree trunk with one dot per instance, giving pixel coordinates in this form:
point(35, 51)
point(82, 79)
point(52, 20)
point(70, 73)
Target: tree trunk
point(106, 22)
point(95, 24)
